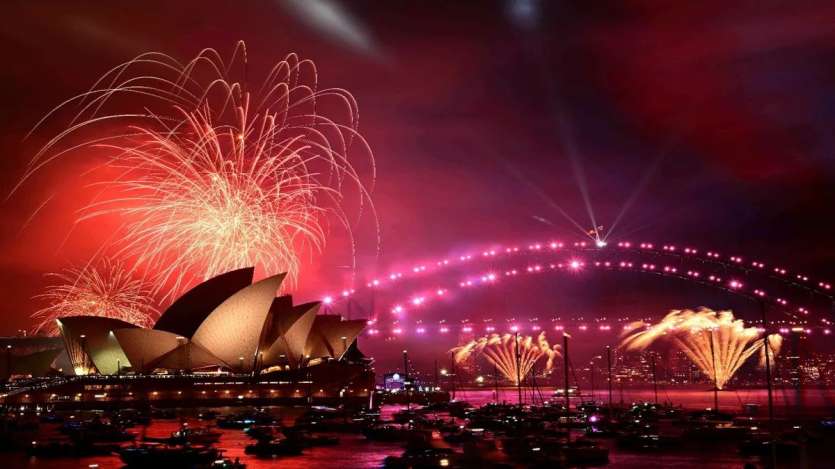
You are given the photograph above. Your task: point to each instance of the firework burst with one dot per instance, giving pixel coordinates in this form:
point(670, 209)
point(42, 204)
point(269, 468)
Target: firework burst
point(107, 290)
point(213, 176)
point(716, 342)
point(501, 352)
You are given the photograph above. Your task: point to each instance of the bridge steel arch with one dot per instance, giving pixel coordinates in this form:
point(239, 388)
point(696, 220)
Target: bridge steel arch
point(804, 301)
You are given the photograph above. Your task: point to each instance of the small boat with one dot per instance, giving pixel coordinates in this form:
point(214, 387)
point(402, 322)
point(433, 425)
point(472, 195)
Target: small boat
point(386, 432)
point(52, 417)
point(196, 436)
point(270, 449)
point(326, 419)
point(187, 435)
point(130, 418)
point(246, 419)
point(718, 431)
point(207, 415)
point(584, 452)
point(66, 448)
point(96, 430)
point(408, 416)
point(264, 432)
point(463, 434)
point(166, 456)
point(163, 414)
point(226, 463)
point(308, 440)
point(423, 457)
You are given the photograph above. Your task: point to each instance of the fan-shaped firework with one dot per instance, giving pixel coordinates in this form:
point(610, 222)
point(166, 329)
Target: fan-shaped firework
point(716, 342)
point(213, 176)
point(501, 352)
point(107, 290)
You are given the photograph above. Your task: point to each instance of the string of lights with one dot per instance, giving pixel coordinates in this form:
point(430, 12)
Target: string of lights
point(727, 273)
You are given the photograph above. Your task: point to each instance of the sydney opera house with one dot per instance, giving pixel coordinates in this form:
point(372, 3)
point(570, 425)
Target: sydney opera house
point(226, 339)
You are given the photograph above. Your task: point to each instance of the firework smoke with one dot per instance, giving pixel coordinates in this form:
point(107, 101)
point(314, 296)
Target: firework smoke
point(107, 291)
point(716, 342)
point(500, 351)
point(212, 175)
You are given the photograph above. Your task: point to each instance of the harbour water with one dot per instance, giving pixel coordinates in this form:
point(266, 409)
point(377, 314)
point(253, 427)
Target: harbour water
point(355, 451)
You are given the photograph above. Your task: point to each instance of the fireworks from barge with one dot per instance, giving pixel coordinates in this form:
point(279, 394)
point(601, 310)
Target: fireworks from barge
point(513, 356)
point(715, 342)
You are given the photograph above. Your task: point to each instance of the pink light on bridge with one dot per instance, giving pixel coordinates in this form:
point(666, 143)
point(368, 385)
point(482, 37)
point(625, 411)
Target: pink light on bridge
point(576, 264)
point(327, 300)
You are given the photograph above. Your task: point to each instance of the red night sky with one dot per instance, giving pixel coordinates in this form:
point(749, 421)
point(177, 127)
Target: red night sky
point(717, 119)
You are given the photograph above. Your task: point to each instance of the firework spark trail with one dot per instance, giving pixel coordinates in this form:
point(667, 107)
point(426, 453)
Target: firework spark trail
point(212, 176)
point(715, 342)
point(107, 290)
point(500, 351)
